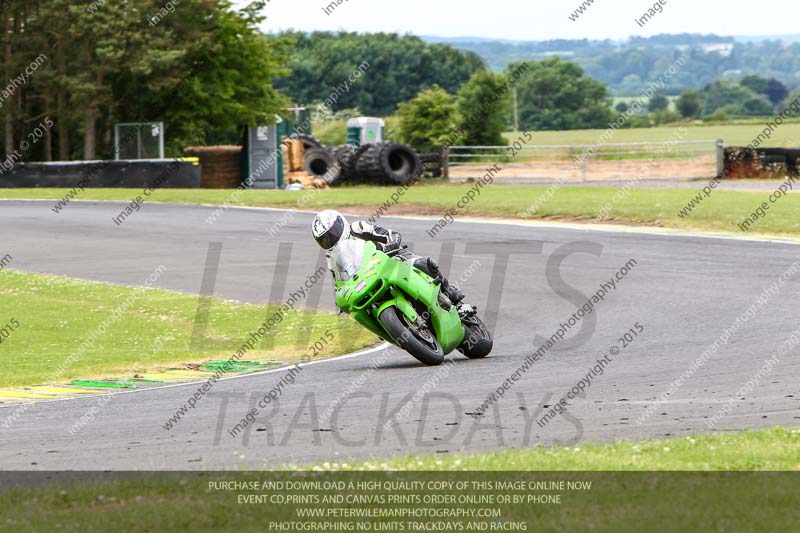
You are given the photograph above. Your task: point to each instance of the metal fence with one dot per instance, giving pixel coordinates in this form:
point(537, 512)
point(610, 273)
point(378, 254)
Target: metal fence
point(643, 160)
point(139, 140)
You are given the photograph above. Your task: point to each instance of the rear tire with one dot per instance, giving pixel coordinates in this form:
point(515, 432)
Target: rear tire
point(423, 345)
point(477, 342)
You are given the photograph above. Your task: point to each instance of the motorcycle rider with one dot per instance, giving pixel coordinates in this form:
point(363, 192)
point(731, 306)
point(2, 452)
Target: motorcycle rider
point(330, 227)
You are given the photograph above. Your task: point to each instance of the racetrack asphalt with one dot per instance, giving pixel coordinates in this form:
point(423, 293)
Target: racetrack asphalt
point(684, 290)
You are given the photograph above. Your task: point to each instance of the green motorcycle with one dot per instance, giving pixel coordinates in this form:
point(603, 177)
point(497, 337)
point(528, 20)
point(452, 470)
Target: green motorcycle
point(403, 304)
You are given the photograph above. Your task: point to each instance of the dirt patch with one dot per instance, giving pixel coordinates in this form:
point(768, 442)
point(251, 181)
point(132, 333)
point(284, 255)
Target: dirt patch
point(699, 167)
point(399, 209)
point(427, 210)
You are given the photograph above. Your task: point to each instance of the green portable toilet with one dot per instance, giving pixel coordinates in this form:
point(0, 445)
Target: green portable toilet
point(365, 130)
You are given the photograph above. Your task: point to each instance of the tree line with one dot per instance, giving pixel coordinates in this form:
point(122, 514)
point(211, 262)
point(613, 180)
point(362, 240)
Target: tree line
point(197, 65)
point(628, 67)
point(74, 68)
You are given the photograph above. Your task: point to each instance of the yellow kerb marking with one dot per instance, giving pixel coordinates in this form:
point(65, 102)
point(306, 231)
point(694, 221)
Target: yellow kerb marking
point(65, 390)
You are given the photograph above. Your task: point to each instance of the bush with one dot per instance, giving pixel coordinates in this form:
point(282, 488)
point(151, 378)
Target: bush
point(332, 133)
point(428, 120)
point(392, 132)
point(482, 103)
point(558, 95)
point(718, 116)
point(658, 102)
point(665, 117)
point(638, 121)
point(792, 103)
point(689, 104)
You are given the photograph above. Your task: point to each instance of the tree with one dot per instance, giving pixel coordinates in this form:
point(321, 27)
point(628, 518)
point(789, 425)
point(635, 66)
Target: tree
point(658, 102)
point(225, 82)
point(483, 104)
point(630, 67)
point(556, 95)
point(689, 104)
point(776, 91)
point(117, 39)
point(198, 65)
point(752, 107)
point(792, 103)
point(734, 100)
point(395, 68)
point(621, 107)
point(429, 121)
point(757, 84)
point(771, 88)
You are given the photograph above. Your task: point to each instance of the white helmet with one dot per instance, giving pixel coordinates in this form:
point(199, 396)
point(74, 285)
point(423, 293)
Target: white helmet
point(329, 228)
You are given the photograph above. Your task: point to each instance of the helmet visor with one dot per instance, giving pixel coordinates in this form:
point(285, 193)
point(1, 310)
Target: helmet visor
point(329, 239)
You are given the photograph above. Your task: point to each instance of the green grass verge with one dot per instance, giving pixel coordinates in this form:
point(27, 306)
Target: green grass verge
point(615, 501)
point(135, 330)
point(721, 212)
point(776, 449)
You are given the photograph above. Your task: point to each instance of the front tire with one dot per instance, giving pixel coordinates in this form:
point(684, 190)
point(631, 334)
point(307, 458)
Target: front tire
point(419, 342)
point(478, 342)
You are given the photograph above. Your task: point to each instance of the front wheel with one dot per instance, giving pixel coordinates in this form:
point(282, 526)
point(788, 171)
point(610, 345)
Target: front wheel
point(477, 341)
point(416, 339)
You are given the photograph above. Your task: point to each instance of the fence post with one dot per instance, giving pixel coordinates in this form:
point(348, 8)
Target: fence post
point(446, 163)
point(720, 158)
point(583, 166)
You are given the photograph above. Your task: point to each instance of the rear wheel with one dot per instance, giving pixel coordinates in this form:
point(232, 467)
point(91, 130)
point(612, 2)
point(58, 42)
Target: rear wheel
point(477, 341)
point(415, 338)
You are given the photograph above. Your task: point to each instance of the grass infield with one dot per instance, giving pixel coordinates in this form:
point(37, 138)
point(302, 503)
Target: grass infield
point(610, 500)
point(136, 330)
point(720, 211)
point(776, 449)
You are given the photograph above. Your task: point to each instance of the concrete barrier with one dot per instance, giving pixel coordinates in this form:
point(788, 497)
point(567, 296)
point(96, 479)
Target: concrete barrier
point(129, 174)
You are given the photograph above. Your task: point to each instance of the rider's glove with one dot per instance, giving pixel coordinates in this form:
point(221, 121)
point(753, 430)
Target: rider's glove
point(390, 247)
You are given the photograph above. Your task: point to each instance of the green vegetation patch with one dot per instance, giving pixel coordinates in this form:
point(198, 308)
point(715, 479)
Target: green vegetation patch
point(776, 449)
point(590, 497)
point(738, 133)
point(60, 317)
point(722, 211)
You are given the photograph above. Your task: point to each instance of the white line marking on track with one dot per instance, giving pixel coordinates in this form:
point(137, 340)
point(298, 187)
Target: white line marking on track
point(602, 228)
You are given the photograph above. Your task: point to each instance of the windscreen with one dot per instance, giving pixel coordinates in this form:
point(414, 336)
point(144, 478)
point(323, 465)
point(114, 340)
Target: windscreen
point(347, 257)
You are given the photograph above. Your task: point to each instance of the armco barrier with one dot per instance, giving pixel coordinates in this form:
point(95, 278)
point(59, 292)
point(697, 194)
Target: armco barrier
point(131, 174)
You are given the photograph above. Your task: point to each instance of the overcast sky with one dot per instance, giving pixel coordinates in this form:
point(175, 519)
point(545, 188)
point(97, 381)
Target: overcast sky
point(535, 19)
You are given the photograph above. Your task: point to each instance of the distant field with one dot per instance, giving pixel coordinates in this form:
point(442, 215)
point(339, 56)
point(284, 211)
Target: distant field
point(788, 135)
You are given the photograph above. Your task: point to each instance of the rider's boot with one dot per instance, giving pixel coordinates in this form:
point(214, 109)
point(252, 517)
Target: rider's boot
point(431, 267)
point(466, 310)
point(452, 292)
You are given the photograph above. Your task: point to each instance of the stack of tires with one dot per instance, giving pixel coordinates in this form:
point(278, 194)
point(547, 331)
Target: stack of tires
point(380, 163)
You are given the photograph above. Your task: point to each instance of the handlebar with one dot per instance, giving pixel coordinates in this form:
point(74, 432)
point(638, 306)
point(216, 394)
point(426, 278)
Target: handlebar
point(402, 248)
